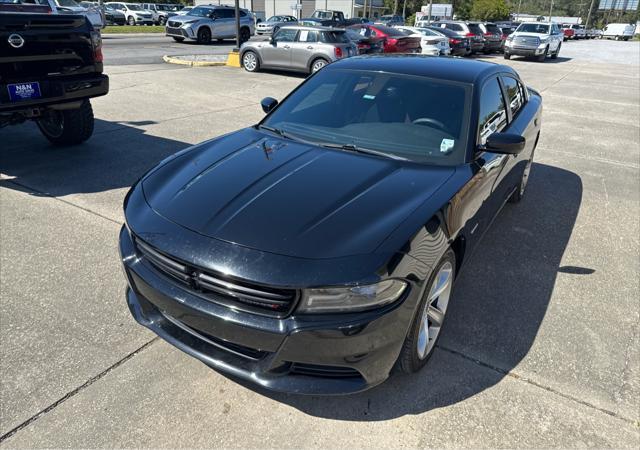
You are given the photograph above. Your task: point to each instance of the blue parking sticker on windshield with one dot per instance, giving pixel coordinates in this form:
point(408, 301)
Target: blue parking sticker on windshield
point(447, 145)
point(368, 97)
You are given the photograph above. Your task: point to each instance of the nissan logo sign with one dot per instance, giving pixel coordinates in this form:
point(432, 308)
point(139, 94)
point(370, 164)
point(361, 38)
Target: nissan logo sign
point(16, 41)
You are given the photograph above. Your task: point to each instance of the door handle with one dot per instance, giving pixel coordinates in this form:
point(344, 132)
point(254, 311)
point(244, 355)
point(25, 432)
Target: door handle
point(286, 46)
point(309, 47)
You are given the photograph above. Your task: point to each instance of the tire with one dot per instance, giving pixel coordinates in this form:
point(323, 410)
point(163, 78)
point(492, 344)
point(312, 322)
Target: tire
point(163, 20)
point(204, 35)
point(131, 21)
point(541, 58)
point(250, 61)
point(507, 55)
point(245, 34)
point(219, 41)
point(68, 127)
point(177, 39)
point(318, 64)
point(556, 53)
point(420, 341)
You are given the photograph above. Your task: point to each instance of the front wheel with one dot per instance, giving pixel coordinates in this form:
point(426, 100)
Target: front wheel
point(542, 57)
point(204, 36)
point(507, 55)
point(131, 20)
point(556, 53)
point(68, 127)
point(429, 317)
point(522, 187)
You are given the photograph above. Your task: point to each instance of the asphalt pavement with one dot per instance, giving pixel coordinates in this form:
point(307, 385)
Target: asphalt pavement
point(542, 342)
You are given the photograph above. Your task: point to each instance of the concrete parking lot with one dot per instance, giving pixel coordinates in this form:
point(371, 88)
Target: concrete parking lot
point(542, 344)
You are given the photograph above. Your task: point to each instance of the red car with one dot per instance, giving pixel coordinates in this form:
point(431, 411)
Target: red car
point(394, 40)
point(569, 33)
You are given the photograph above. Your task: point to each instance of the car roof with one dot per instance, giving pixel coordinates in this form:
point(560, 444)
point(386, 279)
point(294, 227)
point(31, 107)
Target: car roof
point(448, 68)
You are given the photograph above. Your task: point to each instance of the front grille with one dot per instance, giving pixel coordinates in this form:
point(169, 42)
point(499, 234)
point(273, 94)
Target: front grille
point(174, 24)
point(176, 31)
point(526, 41)
point(219, 288)
point(316, 370)
point(230, 347)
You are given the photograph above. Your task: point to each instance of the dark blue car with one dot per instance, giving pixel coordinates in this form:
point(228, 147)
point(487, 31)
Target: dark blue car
point(314, 251)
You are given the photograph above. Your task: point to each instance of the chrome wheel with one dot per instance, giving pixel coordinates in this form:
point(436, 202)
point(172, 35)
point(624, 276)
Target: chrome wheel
point(317, 65)
point(434, 310)
point(250, 62)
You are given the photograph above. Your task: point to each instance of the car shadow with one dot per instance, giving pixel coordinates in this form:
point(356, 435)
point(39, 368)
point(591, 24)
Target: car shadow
point(499, 303)
point(114, 157)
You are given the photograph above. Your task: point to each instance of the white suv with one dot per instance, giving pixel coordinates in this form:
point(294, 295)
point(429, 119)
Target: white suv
point(534, 39)
point(134, 13)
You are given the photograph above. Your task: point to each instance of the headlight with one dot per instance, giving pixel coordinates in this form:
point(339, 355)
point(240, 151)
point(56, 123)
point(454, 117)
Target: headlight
point(348, 299)
point(189, 22)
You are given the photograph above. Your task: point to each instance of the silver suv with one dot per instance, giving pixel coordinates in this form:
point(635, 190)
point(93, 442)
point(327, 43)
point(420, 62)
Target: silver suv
point(298, 48)
point(534, 39)
point(204, 23)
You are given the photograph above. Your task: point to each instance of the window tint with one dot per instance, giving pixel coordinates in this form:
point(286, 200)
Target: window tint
point(514, 94)
point(202, 12)
point(475, 28)
point(533, 28)
point(226, 13)
point(332, 37)
point(454, 27)
point(308, 36)
point(493, 115)
point(396, 114)
point(285, 35)
point(390, 31)
point(243, 13)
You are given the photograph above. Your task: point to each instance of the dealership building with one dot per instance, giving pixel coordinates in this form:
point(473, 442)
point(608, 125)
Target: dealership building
point(304, 8)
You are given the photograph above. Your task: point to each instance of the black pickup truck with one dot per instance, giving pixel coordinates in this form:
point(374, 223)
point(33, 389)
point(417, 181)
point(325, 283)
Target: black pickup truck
point(50, 66)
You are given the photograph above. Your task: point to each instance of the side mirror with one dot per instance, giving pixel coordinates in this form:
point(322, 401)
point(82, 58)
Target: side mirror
point(510, 144)
point(212, 16)
point(272, 41)
point(268, 103)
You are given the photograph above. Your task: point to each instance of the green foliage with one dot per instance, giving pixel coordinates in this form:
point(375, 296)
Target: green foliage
point(490, 10)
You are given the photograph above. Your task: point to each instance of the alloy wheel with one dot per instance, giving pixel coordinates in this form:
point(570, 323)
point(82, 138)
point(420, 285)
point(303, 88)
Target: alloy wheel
point(317, 65)
point(52, 123)
point(249, 61)
point(435, 310)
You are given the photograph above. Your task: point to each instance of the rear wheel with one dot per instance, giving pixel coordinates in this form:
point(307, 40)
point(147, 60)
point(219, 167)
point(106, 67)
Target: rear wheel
point(318, 64)
point(429, 318)
point(250, 61)
point(204, 35)
point(68, 127)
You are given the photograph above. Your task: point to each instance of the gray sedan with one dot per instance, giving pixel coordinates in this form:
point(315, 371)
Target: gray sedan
point(298, 48)
point(274, 23)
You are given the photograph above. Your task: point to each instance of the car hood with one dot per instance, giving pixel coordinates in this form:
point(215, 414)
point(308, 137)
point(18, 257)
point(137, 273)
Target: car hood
point(289, 198)
point(537, 35)
point(184, 18)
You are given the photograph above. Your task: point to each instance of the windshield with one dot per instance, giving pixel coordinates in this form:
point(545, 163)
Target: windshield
point(533, 28)
point(402, 116)
point(200, 12)
point(133, 7)
point(323, 14)
point(67, 3)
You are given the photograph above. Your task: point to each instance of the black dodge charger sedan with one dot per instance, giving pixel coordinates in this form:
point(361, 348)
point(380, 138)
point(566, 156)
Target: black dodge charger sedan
point(314, 251)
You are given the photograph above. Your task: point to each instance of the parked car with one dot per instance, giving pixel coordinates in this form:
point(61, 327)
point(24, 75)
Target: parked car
point(365, 44)
point(505, 31)
point(460, 46)
point(394, 40)
point(92, 13)
point(578, 31)
point(569, 33)
point(619, 31)
point(329, 252)
point(204, 23)
point(39, 82)
point(492, 37)
point(134, 13)
point(431, 42)
point(274, 23)
point(535, 39)
point(390, 20)
point(151, 8)
point(161, 11)
point(110, 15)
point(598, 33)
point(326, 18)
point(470, 30)
point(298, 48)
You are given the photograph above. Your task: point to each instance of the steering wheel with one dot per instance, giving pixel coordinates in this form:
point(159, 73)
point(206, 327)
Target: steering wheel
point(430, 122)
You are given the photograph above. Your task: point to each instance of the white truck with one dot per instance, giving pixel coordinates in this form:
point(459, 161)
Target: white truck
point(619, 31)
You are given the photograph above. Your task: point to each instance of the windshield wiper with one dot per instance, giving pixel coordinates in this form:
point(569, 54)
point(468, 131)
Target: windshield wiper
point(277, 131)
point(358, 149)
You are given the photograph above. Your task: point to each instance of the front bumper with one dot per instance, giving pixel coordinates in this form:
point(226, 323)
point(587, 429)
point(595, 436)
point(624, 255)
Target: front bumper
point(524, 51)
point(320, 354)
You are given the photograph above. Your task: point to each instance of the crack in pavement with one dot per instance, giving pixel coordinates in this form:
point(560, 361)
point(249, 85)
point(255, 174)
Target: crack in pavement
point(80, 388)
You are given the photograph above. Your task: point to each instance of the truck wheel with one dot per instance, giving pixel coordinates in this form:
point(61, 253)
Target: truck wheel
point(131, 20)
point(68, 127)
point(204, 36)
point(556, 53)
point(542, 57)
point(507, 55)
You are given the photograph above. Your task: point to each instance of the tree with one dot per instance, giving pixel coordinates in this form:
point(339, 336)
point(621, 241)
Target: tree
point(490, 10)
